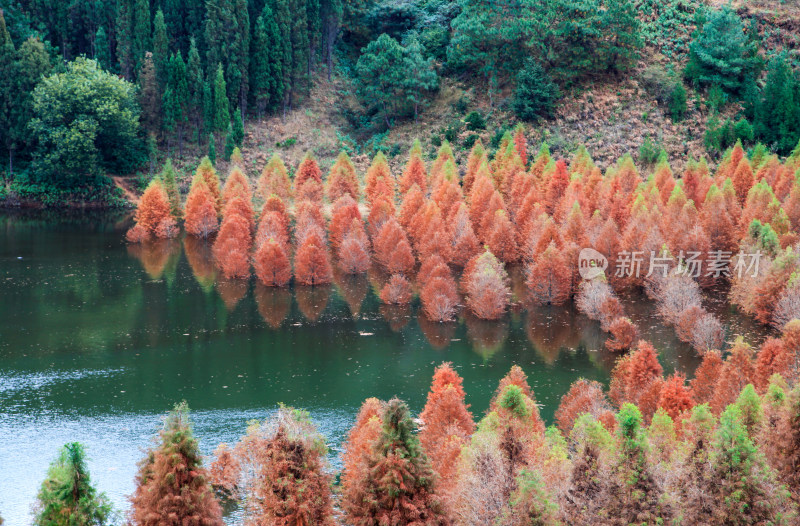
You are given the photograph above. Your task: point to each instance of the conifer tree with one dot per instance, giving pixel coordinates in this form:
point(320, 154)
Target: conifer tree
point(266, 65)
point(124, 51)
point(102, 48)
point(161, 57)
point(222, 116)
point(399, 480)
point(172, 486)
point(67, 496)
point(141, 35)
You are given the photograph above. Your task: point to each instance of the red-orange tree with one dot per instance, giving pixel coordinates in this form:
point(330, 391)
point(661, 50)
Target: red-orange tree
point(171, 486)
point(399, 482)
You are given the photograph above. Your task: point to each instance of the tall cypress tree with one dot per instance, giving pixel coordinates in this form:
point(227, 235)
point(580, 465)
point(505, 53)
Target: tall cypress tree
point(266, 68)
point(176, 99)
point(102, 49)
point(142, 32)
point(222, 116)
point(161, 48)
point(124, 39)
point(7, 66)
point(283, 19)
point(240, 56)
point(300, 57)
point(314, 27)
point(194, 81)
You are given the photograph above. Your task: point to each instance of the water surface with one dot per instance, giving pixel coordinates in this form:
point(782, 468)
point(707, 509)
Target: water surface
point(98, 340)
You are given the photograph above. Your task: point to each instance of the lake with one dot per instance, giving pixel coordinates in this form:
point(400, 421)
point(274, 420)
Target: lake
point(98, 340)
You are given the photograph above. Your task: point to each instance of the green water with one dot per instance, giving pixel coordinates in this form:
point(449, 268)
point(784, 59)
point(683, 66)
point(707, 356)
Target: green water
point(96, 345)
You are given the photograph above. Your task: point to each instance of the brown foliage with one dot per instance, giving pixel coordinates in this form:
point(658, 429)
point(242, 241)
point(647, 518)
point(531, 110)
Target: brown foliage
point(153, 208)
point(274, 180)
point(773, 358)
point(624, 334)
point(439, 298)
point(397, 291)
point(485, 282)
point(584, 396)
point(706, 376)
point(232, 246)
point(676, 397)
point(311, 264)
point(272, 264)
point(736, 372)
point(171, 486)
point(200, 215)
point(549, 279)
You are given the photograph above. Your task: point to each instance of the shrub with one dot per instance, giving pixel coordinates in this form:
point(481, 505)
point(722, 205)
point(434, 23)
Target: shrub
point(475, 121)
point(677, 102)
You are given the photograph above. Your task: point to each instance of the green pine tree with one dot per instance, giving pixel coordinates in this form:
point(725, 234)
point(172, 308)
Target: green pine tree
point(721, 54)
point(7, 91)
point(421, 77)
point(777, 109)
point(222, 116)
point(124, 39)
point(622, 35)
point(161, 48)
point(102, 49)
point(237, 128)
point(194, 82)
point(141, 41)
point(212, 149)
point(169, 179)
point(230, 144)
point(67, 496)
point(266, 67)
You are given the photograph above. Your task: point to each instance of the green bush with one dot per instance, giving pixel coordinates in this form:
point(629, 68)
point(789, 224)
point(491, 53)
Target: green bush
point(721, 136)
point(743, 131)
point(450, 132)
point(716, 98)
point(677, 102)
point(475, 121)
point(649, 151)
point(470, 141)
point(535, 94)
point(86, 121)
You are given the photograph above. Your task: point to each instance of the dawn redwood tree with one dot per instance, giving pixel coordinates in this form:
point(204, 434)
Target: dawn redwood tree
point(311, 264)
point(485, 282)
point(583, 397)
point(271, 264)
point(232, 245)
point(274, 225)
point(549, 278)
point(342, 179)
point(773, 358)
point(590, 482)
point(624, 334)
point(345, 210)
point(207, 172)
point(397, 291)
point(501, 238)
point(274, 179)
point(399, 480)
point(172, 486)
point(153, 215)
point(356, 455)
point(392, 249)
point(640, 498)
point(200, 213)
point(353, 252)
point(447, 424)
point(736, 372)
point(676, 397)
point(439, 296)
point(67, 496)
point(637, 379)
point(706, 377)
point(744, 486)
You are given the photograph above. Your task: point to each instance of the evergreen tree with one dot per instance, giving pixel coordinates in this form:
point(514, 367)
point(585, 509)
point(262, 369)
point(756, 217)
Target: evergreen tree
point(721, 54)
point(170, 182)
point(399, 479)
point(266, 66)
point(622, 35)
point(420, 74)
point(222, 116)
point(239, 57)
point(230, 144)
point(381, 78)
point(32, 64)
point(7, 67)
point(208, 106)
point(575, 41)
point(102, 49)
point(313, 13)
point(283, 19)
point(212, 149)
point(150, 96)
point(172, 486)
point(300, 46)
point(196, 86)
point(535, 94)
point(141, 37)
point(777, 110)
point(67, 496)
point(237, 129)
point(124, 39)
point(176, 99)
point(161, 58)
point(332, 13)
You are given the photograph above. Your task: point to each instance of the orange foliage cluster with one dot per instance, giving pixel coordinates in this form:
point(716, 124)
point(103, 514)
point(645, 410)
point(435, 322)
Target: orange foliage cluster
point(485, 282)
point(153, 217)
